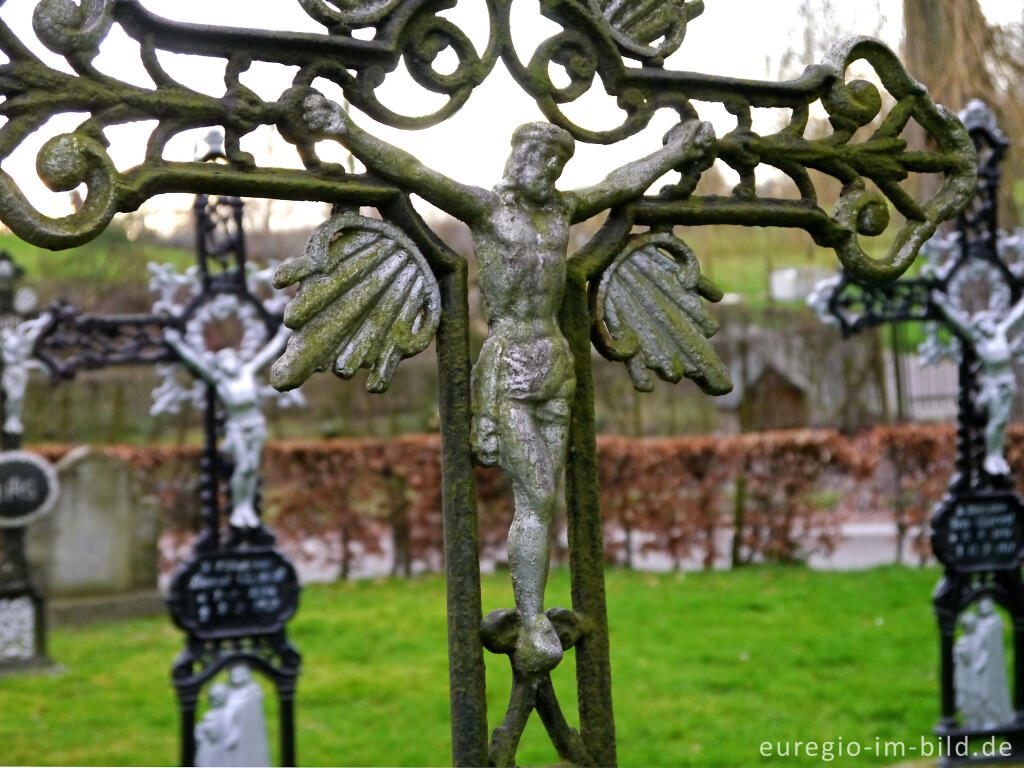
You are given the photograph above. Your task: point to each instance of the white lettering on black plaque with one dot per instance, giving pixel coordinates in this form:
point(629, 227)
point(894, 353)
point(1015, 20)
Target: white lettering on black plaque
point(235, 593)
point(982, 533)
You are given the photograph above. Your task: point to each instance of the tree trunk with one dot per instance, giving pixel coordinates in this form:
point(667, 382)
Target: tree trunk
point(949, 46)
point(945, 46)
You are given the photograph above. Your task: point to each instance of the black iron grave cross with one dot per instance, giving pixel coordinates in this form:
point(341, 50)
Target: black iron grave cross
point(972, 294)
point(234, 596)
point(28, 482)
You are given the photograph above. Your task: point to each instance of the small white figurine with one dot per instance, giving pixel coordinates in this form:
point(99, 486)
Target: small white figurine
point(245, 428)
point(233, 732)
point(16, 345)
point(215, 737)
point(988, 334)
point(982, 690)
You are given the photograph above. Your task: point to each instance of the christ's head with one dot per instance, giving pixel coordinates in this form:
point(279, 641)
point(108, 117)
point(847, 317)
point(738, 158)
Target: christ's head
point(539, 153)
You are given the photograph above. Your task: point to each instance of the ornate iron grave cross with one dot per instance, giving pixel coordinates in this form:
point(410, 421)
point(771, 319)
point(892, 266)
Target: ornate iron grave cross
point(28, 483)
point(971, 292)
point(372, 292)
point(236, 593)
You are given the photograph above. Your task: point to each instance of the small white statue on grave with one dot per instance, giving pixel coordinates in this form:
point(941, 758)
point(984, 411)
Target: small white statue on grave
point(245, 428)
point(16, 345)
point(988, 333)
point(233, 732)
point(216, 740)
point(245, 705)
point(979, 662)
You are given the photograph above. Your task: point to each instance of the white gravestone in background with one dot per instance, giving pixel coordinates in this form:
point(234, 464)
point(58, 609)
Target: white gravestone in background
point(101, 538)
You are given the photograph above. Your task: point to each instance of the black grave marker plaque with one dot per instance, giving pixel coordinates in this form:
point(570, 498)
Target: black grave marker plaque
point(28, 488)
point(979, 531)
point(235, 594)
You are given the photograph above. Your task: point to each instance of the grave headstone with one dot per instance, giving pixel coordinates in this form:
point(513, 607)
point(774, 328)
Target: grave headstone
point(101, 538)
point(234, 596)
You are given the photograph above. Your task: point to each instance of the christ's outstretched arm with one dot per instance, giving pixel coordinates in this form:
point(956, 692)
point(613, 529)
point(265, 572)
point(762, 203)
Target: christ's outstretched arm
point(270, 350)
point(200, 367)
point(327, 119)
point(686, 142)
point(959, 320)
point(32, 329)
point(1014, 317)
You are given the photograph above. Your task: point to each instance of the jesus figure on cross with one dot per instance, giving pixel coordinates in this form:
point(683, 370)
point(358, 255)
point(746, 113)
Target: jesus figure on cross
point(524, 380)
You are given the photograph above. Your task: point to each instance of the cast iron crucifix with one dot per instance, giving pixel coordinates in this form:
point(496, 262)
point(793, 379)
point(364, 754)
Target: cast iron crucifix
point(973, 287)
point(28, 483)
point(72, 341)
point(372, 292)
point(235, 594)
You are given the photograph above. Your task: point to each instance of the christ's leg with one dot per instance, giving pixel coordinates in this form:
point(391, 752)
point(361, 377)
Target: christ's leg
point(13, 424)
point(245, 448)
point(15, 382)
point(526, 455)
point(999, 408)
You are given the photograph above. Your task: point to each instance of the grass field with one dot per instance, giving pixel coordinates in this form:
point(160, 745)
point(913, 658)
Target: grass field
point(739, 259)
point(706, 667)
point(110, 259)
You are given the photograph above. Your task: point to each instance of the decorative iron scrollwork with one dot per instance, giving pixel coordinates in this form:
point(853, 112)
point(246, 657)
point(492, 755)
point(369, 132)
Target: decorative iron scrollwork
point(637, 25)
point(73, 341)
point(348, 14)
point(594, 38)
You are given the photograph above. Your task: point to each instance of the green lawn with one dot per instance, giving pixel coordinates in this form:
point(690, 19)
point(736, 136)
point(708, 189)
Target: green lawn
point(111, 258)
point(740, 259)
point(706, 666)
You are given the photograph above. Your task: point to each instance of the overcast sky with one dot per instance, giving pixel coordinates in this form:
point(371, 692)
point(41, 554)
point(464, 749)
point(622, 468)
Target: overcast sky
point(743, 38)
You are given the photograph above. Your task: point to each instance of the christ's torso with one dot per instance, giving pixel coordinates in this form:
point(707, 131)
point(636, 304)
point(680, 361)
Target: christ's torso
point(994, 352)
point(240, 397)
point(522, 253)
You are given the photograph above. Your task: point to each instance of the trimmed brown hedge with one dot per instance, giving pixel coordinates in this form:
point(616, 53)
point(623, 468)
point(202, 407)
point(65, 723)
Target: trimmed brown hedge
point(772, 496)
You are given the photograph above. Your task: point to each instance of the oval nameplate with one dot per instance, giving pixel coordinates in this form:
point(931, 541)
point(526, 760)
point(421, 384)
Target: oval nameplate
point(234, 594)
point(981, 531)
point(28, 488)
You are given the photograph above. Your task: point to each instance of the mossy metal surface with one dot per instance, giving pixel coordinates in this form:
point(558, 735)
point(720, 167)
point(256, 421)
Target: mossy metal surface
point(366, 299)
point(410, 31)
